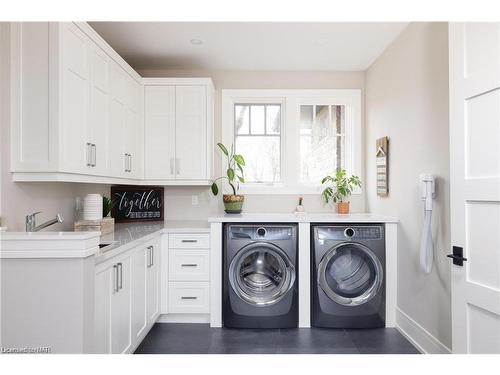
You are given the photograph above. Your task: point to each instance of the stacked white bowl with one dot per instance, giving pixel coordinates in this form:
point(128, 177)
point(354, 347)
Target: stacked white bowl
point(92, 207)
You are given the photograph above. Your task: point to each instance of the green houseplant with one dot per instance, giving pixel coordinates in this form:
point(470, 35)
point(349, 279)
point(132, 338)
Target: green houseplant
point(339, 188)
point(233, 203)
point(107, 206)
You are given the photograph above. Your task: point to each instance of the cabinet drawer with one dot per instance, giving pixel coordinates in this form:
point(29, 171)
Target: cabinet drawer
point(188, 265)
point(188, 297)
point(189, 241)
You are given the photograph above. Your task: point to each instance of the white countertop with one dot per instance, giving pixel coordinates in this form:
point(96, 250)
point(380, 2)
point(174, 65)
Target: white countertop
point(50, 244)
point(303, 218)
point(128, 235)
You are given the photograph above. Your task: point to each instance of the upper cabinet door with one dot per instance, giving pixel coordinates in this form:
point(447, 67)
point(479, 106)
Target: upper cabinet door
point(116, 121)
point(74, 100)
point(159, 132)
point(98, 125)
point(191, 132)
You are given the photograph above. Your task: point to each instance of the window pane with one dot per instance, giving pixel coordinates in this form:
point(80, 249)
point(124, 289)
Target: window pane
point(262, 157)
point(321, 148)
point(306, 119)
point(257, 123)
point(241, 119)
point(338, 118)
point(273, 119)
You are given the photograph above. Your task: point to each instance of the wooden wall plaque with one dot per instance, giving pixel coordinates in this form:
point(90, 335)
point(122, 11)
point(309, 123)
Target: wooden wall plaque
point(137, 203)
point(382, 164)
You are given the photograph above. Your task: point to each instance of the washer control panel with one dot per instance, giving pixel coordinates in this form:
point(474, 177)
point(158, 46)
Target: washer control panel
point(261, 232)
point(344, 232)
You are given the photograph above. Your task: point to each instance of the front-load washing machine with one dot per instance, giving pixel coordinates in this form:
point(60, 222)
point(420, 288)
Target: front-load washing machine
point(348, 284)
point(260, 276)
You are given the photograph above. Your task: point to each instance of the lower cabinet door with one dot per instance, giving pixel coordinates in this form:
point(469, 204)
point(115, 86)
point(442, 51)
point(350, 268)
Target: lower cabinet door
point(153, 281)
point(120, 307)
point(102, 306)
point(139, 277)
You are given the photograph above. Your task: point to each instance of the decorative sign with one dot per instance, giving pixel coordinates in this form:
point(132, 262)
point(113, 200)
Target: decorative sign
point(382, 162)
point(137, 203)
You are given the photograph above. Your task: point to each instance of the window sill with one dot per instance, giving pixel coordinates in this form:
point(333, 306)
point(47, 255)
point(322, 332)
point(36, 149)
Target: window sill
point(284, 190)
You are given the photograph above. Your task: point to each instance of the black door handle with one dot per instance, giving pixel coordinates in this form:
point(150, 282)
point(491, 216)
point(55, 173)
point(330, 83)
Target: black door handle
point(457, 256)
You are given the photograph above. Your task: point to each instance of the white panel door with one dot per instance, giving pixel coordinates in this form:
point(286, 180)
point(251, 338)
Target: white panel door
point(120, 307)
point(98, 125)
point(153, 281)
point(159, 132)
point(475, 185)
point(102, 308)
point(75, 153)
point(138, 306)
point(116, 121)
point(191, 132)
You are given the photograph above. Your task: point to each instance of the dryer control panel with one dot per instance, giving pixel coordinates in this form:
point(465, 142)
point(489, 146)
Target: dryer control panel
point(261, 232)
point(355, 232)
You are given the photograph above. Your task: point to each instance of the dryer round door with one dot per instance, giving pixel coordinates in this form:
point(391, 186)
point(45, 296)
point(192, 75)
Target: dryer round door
point(350, 274)
point(261, 274)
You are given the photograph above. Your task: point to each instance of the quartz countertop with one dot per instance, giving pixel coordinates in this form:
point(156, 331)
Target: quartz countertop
point(303, 218)
point(128, 235)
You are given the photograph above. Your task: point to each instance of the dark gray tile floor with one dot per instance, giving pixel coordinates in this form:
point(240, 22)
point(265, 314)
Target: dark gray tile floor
point(201, 339)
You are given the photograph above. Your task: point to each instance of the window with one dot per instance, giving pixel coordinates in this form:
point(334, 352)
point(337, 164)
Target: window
point(322, 141)
point(257, 129)
point(291, 139)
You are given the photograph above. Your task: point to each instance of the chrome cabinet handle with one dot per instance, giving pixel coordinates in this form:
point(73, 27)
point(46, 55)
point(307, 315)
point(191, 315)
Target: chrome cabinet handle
point(189, 241)
point(120, 268)
point(115, 274)
point(148, 254)
point(89, 154)
point(150, 250)
point(189, 265)
point(152, 256)
point(130, 162)
point(188, 297)
point(94, 154)
point(126, 162)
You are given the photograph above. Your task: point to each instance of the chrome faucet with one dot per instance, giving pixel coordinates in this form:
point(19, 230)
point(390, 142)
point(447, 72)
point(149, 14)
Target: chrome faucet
point(31, 222)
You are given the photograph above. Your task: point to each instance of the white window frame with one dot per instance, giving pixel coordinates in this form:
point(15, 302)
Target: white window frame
point(290, 101)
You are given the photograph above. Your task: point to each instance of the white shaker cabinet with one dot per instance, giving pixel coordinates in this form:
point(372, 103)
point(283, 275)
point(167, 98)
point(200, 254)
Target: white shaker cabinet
point(178, 130)
point(70, 112)
point(112, 307)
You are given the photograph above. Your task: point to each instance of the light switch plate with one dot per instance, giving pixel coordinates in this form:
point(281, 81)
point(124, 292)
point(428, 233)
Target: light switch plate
point(194, 200)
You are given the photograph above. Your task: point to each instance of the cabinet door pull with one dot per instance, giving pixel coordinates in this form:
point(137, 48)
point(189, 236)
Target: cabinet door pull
point(89, 154)
point(130, 162)
point(120, 269)
point(189, 265)
point(189, 297)
point(94, 154)
point(189, 241)
point(152, 256)
point(115, 274)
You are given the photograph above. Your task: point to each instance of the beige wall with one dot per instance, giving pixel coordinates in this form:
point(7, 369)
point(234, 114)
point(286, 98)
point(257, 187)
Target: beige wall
point(178, 200)
point(407, 100)
point(19, 199)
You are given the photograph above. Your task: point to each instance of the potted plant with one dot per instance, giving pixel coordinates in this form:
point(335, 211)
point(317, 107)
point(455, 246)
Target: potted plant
point(339, 189)
point(233, 203)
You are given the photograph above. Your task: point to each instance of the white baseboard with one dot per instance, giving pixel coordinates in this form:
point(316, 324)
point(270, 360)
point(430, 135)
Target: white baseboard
point(418, 336)
point(183, 318)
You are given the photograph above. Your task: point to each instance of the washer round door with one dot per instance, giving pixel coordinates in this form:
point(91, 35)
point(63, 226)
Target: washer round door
point(350, 274)
point(261, 274)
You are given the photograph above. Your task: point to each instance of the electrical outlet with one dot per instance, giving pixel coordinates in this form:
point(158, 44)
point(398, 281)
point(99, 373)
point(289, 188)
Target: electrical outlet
point(194, 200)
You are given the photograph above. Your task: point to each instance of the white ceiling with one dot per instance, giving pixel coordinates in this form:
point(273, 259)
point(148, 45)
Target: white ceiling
point(337, 46)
